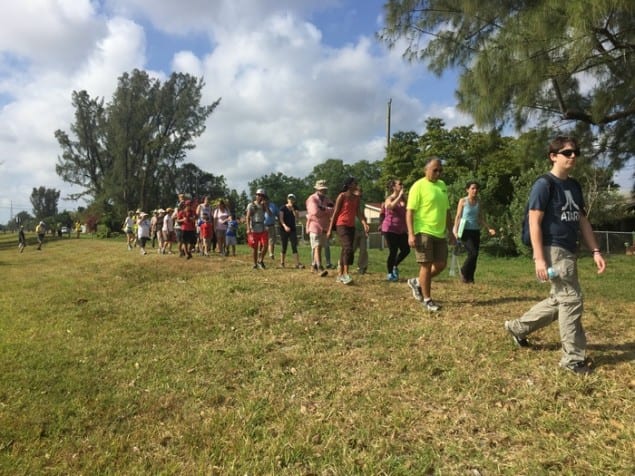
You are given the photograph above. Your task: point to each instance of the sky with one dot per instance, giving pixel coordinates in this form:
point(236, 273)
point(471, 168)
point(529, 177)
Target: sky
point(300, 81)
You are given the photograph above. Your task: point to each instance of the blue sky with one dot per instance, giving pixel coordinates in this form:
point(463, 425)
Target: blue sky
point(301, 81)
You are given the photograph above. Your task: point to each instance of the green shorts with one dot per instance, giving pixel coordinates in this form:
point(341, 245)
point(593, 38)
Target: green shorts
point(430, 249)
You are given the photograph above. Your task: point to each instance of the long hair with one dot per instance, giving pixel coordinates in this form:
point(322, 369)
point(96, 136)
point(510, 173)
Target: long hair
point(350, 181)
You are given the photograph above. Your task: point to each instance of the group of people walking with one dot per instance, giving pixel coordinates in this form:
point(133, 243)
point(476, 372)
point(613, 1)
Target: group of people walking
point(419, 220)
point(556, 215)
point(192, 227)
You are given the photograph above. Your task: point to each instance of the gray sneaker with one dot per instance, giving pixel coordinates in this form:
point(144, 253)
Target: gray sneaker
point(416, 290)
point(518, 341)
point(431, 306)
point(580, 368)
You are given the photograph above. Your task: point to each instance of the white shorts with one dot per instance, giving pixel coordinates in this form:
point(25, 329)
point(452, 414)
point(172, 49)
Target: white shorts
point(317, 239)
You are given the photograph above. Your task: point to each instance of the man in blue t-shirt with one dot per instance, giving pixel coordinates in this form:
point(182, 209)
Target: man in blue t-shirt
point(556, 215)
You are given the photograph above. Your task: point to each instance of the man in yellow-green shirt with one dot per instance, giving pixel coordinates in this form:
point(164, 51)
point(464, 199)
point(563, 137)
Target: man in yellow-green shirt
point(429, 225)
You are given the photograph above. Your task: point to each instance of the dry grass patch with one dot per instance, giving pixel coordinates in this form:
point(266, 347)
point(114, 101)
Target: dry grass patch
point(111, 362)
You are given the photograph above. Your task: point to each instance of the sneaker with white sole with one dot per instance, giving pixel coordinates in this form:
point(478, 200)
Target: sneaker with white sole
point(413, 283)
point(518, 341)
point(431, 306)
point(579, 368)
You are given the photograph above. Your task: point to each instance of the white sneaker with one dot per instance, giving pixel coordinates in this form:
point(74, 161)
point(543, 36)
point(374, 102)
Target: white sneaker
point(416, 290)
point(431, 306)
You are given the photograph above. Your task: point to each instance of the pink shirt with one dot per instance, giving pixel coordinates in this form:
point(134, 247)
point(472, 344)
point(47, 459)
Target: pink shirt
point(318, 213)
point(395, 220)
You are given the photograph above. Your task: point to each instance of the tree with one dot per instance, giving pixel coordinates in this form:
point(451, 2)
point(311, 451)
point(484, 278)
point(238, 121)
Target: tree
point(402, 157)
point(193, 180)
point(125, 155)
point(278, 186)
point(23, 219)
point(44, 201)
point(84, 161)
point(368, 177)
point(530, 60)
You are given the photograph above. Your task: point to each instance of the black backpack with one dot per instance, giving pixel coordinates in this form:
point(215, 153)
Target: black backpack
point(525, 236)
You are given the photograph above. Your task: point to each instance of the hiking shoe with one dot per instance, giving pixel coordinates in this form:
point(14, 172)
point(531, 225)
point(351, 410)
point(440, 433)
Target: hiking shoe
point(262, 265)
point(416, 290)
point(431, 306)
point(518, 341)
point(323, 273)
point(579, 368)
point(346, 279)
point(395, 273)
point(392, 278)
point(330, 266)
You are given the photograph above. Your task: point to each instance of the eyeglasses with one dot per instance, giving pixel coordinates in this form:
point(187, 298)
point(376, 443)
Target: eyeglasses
point(569, 152)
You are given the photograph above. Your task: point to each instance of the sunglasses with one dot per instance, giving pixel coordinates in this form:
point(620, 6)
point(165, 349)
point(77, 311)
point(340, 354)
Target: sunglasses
point(569, 152)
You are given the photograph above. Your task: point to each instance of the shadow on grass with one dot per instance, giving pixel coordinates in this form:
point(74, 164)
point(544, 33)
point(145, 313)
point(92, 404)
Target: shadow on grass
point(607, 354)
point(613, 353)
point(495, 301)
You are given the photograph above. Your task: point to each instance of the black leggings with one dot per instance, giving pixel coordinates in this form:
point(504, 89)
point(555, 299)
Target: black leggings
point(286, 238)
point(397, 242)
point(471, 240)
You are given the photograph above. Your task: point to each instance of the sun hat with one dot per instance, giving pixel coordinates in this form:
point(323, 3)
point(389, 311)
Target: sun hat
point(260, 191)
point(320, 185)
point(291, 196)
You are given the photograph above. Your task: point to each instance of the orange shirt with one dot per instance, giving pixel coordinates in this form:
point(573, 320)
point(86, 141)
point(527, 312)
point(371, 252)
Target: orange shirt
point(348, 212)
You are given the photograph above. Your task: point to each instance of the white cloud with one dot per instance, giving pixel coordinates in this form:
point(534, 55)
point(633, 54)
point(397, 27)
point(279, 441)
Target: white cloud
point(52, 34)
point(289, 101)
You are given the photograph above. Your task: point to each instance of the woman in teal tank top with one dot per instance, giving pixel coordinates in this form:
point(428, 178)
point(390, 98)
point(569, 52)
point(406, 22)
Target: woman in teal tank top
point(467, 228)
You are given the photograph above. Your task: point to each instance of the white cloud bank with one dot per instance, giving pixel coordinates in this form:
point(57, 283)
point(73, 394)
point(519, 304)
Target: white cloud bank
point(289, 101)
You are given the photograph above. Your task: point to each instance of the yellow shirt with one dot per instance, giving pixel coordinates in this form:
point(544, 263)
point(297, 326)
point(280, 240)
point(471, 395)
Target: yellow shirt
point(429, 203)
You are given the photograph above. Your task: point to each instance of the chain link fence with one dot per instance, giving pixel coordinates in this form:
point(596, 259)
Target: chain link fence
point(610, 242)
point(615, 242)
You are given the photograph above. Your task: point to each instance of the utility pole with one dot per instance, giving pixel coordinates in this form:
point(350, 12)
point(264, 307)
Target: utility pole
point(388, 124)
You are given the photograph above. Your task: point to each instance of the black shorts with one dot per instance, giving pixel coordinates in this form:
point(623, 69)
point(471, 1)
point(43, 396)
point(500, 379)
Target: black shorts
point(189, 237)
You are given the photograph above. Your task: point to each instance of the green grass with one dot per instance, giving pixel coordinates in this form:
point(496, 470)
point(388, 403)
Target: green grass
point(115, 363)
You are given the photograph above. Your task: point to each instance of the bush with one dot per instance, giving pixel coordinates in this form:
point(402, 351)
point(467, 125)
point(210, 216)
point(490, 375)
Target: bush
point(103, 231)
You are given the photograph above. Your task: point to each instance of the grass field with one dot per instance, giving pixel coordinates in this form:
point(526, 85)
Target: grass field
point(116, 363)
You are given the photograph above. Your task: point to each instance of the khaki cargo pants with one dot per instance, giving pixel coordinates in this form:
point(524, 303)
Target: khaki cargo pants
point(564, 304)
